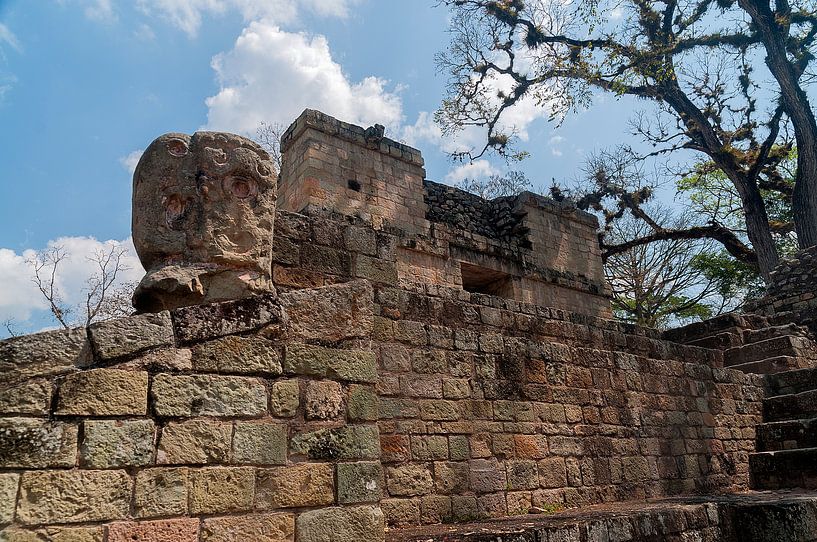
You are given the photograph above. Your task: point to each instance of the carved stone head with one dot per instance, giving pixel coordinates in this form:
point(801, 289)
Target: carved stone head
point(203, 215)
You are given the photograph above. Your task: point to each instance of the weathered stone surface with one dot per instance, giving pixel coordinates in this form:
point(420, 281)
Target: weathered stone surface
point(260, 443)
point(248, 355)
point(43, 354)
point(37, 443)
point(128, 336)
point(217, 490)
point(350, 365)
point(28, 397)
point(161, 361)
point(161, 492)
point(332, 313)
point(194, 442)
point(285, 398)
point(304, 484)
point(348, 442)
point(166, 530)
point(341, 524)
point(117, 443)
point(53, 534)
point(409, 480)
point(255, 528)
point(103, 392)
point(362, 403)
point(324, 400)
point(73, 496)
point(205, 395)
point(203, 215)
point(359, 482)
point(202, 322)
point(8, 495)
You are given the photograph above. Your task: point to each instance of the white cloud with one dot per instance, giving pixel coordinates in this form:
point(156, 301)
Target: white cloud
point(479, 169)
point(187, 15)
point(554, 143)
point(101, 11)
point(129, 162)
point(7, 36)
point(271, 75)
point(19, 297)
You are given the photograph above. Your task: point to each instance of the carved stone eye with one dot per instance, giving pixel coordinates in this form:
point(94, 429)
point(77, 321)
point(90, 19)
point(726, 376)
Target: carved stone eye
point(240, 187)
point(177, 147)
point(174, 208)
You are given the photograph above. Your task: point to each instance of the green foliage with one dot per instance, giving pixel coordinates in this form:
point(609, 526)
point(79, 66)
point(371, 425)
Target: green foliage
point(732, 279)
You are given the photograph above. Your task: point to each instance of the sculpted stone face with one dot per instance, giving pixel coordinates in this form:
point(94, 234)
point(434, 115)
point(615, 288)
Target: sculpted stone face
point(203, 214)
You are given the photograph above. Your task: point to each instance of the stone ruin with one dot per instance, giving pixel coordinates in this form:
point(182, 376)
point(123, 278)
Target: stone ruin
point(354, 353)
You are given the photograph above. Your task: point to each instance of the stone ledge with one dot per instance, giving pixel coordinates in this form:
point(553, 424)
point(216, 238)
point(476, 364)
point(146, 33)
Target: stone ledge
point(785, 516)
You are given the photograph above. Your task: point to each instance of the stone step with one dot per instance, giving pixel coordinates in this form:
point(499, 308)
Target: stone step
point(698, 330)
point(784, 469)
point(791, 382)
point(795, 406)
point(719, 341)
point(777, 364)
point(787, 435)
point(787, 345)
point(762, 334)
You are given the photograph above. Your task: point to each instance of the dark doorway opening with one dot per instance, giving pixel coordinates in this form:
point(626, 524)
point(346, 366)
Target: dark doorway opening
point(480, 280)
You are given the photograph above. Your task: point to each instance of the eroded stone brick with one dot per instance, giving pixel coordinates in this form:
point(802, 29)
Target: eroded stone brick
point(248, 355)
point(359, 482)
point(103, 392)
point(285, 398)
point(166, 530)
point(336, 524)
point(194, 442)
point(304, 484)
point(324, 400)
point(317, 361)
point(161, 492)
point(37, 443)
point(117, 443)
point(260, 443)
point(255, 528)
point(218, 490)
point(208, 395)
point(124, 337)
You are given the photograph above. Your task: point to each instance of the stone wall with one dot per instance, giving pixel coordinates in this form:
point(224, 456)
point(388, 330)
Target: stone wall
point(491, 408)
point(217, 422)
point(344, 408)
point(528, 247)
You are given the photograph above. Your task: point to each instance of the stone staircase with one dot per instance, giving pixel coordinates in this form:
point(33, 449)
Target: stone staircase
point(786, 454)
point(751, 343)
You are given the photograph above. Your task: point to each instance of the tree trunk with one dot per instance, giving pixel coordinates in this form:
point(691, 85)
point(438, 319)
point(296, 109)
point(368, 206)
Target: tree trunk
point(757, 220)
point(797, 107)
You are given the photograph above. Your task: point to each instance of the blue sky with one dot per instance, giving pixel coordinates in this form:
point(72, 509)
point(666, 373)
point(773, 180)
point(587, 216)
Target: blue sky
point(86, 84)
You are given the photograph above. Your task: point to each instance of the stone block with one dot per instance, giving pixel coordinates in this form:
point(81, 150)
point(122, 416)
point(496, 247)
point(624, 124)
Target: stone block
point(317, 361)
point(487, 476)
point(361, 404)
point(240, 355)
point(451, 477)
point(344, 443)
point(409, 480)
point(552, 473)
point(208, 395)
point(401, 512)
point(429, 447)
point(117, 443)
point(166, 530)
point(29, 397)
point(103, 392)
point(43, 354)
point(361, 239)
point(125, 337)
point(54, 534)
point(260, 443)
point(195, 442)
point(9, 483)
point(359, 482)
point(218, 490)
point(341, 524)
point(73, 496)
point(324, 400)
point(325, 259)
point(332, 313)
point(285, 398)
point(376, 270)
point(304, 484)
point(435, 508)
point(254, 528)
point(37, 443)
point(161, 492)
point(202, 322)
point(522, 474)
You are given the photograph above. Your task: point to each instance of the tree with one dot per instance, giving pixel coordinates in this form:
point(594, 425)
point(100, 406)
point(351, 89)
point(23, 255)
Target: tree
point(694, 60)
point(269, 137)
point(496, 186)
point(103, 297)
point(656, 284)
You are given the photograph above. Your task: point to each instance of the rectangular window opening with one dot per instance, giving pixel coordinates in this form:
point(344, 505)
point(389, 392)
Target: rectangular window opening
point(480, 280)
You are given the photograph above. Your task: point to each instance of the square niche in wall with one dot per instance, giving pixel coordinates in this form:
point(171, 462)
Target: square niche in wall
point(481, 280)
